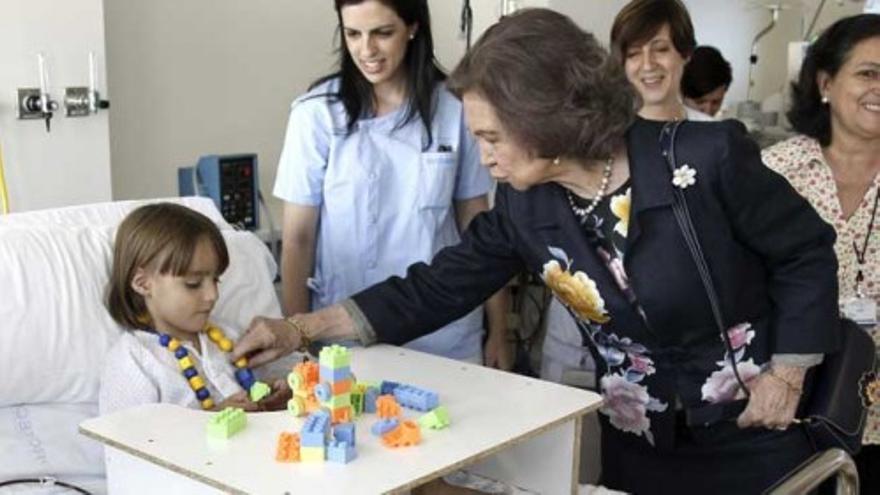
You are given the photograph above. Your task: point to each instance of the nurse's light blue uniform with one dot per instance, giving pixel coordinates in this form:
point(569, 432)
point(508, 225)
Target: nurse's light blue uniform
point(385, 200)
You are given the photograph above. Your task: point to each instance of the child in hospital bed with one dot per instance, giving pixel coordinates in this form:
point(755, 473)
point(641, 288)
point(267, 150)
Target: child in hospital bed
point(167, 261)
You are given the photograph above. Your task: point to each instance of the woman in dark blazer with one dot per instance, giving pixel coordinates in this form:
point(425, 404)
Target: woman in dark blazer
point(586, 202)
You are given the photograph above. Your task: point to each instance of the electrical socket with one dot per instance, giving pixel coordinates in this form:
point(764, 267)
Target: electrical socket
point(28, 104)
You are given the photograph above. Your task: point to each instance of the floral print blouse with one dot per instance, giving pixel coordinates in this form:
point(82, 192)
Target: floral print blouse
point(800, 160)
point(628, 401)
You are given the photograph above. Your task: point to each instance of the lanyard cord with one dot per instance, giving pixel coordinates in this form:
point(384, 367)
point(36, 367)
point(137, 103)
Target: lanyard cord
point(860, 255)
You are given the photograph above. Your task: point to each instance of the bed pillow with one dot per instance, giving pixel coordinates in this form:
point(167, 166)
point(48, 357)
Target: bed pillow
point(54, 329)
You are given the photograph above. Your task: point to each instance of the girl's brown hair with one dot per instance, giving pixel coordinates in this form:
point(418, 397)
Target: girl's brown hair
point(161, 237)
point(640, 20)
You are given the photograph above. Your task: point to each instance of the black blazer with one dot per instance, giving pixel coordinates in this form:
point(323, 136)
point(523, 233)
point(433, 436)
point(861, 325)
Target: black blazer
point(770, 255)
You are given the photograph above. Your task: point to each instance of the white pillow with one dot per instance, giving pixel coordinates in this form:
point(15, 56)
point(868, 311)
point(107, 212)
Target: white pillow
point(42, 439)
point(54, 328)
point(108, 214)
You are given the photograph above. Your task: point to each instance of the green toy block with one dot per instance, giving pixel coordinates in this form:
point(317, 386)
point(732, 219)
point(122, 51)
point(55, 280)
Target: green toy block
point(357, 403)
point(259, 391)
point(437, 419)
point(338, 401)
point(226, 423)
point(334, 356)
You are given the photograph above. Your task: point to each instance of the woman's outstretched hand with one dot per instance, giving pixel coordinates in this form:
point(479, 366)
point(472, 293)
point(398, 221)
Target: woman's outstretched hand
point(774, 398)
point(265, 340)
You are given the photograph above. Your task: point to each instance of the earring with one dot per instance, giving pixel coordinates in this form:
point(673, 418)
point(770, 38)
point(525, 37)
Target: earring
point(412, 36)
point(825, 99)
point(556, 161)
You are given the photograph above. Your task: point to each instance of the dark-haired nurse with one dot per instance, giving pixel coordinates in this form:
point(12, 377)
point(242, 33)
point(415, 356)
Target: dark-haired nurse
point(379, 172)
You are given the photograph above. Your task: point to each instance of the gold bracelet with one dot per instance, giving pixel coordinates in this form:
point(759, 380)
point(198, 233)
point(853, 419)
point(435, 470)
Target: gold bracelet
point(300, 329)
point(787, 383)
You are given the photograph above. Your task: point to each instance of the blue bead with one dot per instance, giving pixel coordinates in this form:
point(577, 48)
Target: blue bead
point(245, 378)
point(190, 372)
point(202, 393)
point(180, 353)
point(164, 339)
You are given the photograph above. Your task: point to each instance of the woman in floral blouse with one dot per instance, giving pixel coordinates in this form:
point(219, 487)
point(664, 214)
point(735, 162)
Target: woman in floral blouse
point(586, 201)
point(833, 163)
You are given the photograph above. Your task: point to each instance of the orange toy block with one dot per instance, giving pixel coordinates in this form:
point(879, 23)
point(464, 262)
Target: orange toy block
point(387, 407)
point(341, 387)
point(405, 435)
point(288, 447)
point(309, 370)
point(341, 415)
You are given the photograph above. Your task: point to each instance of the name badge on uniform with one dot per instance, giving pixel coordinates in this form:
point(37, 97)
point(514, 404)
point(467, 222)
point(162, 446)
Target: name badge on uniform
point(862, 310)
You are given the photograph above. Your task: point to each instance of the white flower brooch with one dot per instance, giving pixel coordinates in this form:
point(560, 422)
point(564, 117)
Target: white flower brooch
point(684, 176)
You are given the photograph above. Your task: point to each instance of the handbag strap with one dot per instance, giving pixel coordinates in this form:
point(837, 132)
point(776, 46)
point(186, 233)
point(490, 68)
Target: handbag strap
point(683, 218)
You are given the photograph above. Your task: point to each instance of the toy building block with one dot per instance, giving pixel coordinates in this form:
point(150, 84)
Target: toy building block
point(341, 387)
point(387, 388)
point(338, 401)
point(323, 392)
point(370, 396)
point(259, 391)
point(288, 447)
point(436, 419)
point(342, 414)
point(314, 431)
point(357, 403)
point(405, 435)
point(345, 432)
point(416, 398)
point(226, 423)
point(312, 454)
point(383, 426)
point(334, 375)
point(341, 452)
point(334, 356)
point(387, 407)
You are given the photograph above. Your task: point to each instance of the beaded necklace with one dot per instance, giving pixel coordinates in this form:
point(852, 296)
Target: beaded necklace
point(243, 375)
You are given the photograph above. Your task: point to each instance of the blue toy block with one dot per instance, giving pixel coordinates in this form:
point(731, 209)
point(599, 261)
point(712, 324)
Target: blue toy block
point(314, 431)
point(370, 397)
point(344, 432)
point(383, 426)
point(323, 392)
point(416, 398)
point(340, 452)
point(387, 388)
point(334, 375)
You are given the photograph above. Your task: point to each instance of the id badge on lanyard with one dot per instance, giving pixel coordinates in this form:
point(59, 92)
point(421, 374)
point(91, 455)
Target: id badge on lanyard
point(861, 308)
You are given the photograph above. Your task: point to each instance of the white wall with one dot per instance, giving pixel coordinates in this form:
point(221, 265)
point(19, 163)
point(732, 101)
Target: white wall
point(217, 76)
point(70, 165)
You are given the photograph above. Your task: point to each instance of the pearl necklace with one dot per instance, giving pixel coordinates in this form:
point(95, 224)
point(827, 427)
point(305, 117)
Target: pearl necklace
point(243, 375)
point(582, 212)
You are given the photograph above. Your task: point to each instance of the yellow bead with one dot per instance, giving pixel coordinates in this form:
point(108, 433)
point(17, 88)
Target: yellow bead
point(241, 363)
point(185, 362)
point(207, 404)
point(215, 334)
point(196, 382)
point(225, 344)
point(173, 344)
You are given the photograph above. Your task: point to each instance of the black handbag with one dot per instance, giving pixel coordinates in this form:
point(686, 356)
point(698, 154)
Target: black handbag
point(835, 406)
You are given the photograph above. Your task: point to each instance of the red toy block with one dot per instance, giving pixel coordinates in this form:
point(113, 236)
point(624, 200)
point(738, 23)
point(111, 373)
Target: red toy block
point(288, 447)
point(405, 435)
point(387, 407)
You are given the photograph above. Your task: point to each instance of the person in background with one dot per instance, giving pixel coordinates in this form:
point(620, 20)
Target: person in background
point(585, 201)
point(654, 39)
point(706, 79)
point(378, 171)
point(834, 163)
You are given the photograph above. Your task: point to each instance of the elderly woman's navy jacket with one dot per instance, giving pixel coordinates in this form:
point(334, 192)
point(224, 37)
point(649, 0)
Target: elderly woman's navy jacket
point(770, 255)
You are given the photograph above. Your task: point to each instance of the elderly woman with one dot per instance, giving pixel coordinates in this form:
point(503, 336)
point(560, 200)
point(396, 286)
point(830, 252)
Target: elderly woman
point(834, 161)
point(586, 201)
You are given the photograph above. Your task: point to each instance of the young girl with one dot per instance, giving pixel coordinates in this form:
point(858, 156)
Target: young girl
point(166, 264)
